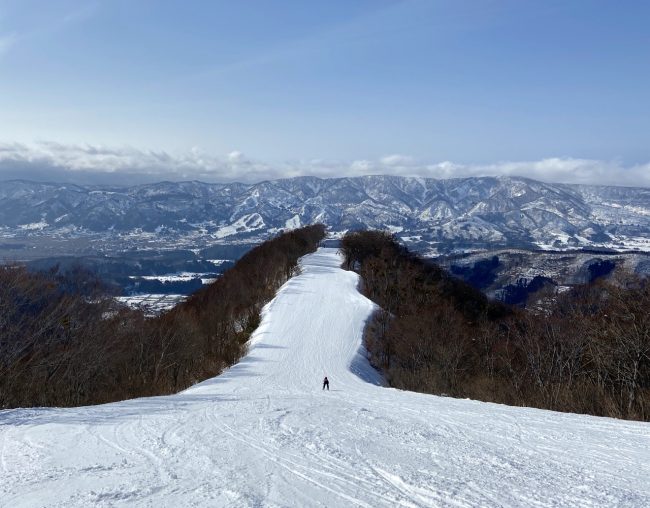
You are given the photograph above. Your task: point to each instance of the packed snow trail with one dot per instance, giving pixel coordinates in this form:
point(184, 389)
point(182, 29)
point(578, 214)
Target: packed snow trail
point(265, 434)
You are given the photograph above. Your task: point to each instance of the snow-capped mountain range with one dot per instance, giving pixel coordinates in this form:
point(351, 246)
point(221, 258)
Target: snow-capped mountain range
point(430, 215)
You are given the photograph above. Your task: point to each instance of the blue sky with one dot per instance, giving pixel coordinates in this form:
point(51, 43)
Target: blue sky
point(276, 87)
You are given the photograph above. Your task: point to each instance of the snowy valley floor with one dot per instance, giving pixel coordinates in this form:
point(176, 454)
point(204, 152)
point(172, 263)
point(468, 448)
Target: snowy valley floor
point(265, 434)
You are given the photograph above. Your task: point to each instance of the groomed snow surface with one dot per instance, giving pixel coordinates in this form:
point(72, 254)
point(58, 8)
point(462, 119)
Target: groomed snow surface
point(265, 434)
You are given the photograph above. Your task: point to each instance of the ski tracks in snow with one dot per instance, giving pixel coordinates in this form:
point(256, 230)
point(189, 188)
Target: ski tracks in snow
point(265, 434)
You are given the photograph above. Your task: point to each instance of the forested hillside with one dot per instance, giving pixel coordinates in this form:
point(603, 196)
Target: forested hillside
point(586, 350)
point(64, 342)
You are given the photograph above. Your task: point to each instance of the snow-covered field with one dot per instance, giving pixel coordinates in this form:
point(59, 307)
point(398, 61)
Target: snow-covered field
point(151, 304)
point(265, 434)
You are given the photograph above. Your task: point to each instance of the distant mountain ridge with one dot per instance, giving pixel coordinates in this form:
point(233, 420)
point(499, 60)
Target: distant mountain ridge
point(429, 214)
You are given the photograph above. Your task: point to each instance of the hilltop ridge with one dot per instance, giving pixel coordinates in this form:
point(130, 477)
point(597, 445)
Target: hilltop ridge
point(429, 215)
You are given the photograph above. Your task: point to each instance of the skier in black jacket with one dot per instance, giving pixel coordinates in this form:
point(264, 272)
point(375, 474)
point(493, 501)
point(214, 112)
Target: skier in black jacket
point(326, 383)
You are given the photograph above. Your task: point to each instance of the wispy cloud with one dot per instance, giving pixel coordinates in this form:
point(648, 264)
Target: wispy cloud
point(96, 163)
point(47, 26)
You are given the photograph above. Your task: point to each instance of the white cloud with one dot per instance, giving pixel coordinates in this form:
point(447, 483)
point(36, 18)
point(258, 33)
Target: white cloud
point(566, 170)
point(88, 163)
point(396, 160)
point(236, 156)
point(362, 167)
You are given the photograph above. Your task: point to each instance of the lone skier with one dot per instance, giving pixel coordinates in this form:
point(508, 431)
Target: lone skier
point(326, 383)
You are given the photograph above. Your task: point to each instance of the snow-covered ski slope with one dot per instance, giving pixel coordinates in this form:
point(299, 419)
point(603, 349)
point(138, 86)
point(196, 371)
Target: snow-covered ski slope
point(265, 434)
